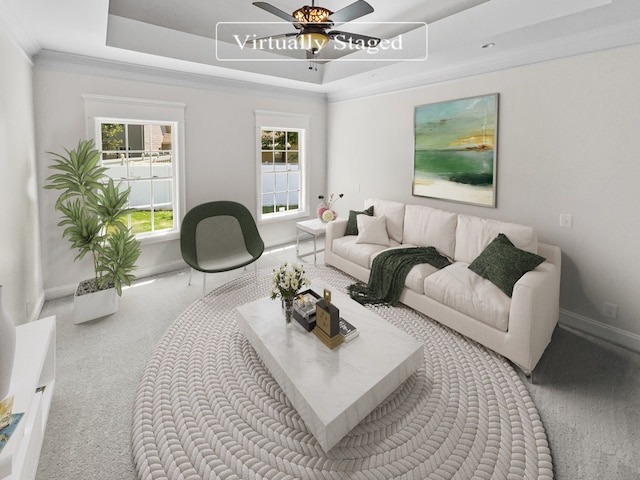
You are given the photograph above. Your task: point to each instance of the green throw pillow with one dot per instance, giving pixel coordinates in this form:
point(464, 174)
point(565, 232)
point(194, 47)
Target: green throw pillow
point(503, 264)
point(352, 223)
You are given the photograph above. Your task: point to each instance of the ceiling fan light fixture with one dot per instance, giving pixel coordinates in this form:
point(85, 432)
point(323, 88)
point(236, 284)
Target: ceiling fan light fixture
point(312, 14)
point(313, 40)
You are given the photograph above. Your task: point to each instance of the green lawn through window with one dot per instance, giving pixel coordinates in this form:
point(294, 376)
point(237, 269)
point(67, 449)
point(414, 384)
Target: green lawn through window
point(141, 221)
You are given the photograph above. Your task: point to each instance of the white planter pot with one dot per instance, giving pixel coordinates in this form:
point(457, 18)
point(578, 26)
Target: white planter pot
point(94, 305)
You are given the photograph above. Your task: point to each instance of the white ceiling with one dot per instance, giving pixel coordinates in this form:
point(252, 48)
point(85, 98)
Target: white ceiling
point(180, 35)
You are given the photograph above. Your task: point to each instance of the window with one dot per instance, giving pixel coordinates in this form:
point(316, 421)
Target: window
point(281, 189)
point(282, 179)
point(140, 156)
point(142, 147)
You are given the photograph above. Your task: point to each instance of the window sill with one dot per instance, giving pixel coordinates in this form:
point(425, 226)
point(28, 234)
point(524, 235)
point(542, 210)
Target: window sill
point(149, 239)
point(285, 217)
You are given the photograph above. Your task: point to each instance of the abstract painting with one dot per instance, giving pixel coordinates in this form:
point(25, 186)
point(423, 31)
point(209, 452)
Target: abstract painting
point(455, 147)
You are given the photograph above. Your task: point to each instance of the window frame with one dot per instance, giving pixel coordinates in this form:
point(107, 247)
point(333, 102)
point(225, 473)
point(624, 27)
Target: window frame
point(151, 178)
point(101, 109)
point(288, 122)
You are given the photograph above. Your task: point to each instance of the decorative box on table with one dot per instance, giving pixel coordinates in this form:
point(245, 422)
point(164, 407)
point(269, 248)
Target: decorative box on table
point(304, 309)
point(328, 322)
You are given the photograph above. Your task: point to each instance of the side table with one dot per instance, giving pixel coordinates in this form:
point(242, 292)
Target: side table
point(315, 228)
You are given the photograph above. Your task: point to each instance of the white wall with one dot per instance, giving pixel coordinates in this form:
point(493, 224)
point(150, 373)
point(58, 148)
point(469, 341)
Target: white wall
point(20, 265)
point(220, 149)
point(568, 142)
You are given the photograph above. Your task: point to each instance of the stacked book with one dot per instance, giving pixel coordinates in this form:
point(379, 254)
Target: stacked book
point(347, 331)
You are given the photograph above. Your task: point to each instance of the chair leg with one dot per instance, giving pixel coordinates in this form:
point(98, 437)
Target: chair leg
point(190, 274)
point(204, 284)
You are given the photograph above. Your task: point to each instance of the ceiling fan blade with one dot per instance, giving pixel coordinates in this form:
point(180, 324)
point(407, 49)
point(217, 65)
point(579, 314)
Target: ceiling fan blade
point(275, 11)
point(354, 38)
point(351, 12)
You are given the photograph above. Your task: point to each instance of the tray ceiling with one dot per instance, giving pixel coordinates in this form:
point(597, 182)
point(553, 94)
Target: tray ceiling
point(181, 35)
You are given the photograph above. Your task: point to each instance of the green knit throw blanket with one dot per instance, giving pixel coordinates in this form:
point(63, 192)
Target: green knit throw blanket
point(389, 271)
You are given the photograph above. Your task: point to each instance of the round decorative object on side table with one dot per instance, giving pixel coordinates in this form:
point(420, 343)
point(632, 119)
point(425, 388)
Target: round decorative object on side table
point(325, 213)
point(322, 207)
point(7, 349)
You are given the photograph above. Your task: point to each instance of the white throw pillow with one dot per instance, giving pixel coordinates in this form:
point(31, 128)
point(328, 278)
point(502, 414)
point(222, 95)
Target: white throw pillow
point(394, 211)
point(372, 230)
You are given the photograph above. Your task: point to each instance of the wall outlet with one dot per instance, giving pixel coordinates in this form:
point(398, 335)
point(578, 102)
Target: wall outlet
point(566, 220)
point(609, 310)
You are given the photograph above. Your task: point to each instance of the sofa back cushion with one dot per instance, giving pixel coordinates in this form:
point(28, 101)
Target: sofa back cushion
point(473, 234)
point(394, 211)
point(429, 227)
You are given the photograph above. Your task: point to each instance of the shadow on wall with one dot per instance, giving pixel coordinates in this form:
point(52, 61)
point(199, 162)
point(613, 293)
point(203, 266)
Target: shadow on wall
point(572, 295)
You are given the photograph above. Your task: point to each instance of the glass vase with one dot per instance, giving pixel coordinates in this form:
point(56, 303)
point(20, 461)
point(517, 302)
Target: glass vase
point(288, 310)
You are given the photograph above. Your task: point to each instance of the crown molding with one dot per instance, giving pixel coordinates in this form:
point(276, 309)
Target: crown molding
point(80, 64)
point(606, 38)
point(402, 76)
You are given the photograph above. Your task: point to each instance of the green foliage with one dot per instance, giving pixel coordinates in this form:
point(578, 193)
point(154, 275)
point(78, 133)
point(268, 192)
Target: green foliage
point(92, 207)
point(109, 132)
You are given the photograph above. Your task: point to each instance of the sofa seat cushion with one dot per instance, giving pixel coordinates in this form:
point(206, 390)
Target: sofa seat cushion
point(459, 288)
point(358, 253)
point(415, 277)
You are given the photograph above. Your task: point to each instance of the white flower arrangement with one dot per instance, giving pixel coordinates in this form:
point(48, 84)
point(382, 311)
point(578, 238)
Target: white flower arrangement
point(287, 280)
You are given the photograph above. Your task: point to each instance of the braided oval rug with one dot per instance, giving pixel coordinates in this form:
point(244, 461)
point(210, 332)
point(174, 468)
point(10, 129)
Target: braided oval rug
point(207, 408)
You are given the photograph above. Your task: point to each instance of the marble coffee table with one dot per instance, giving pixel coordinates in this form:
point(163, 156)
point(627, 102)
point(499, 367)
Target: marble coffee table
point(332, 390)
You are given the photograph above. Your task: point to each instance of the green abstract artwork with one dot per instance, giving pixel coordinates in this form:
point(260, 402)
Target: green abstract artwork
point(455, 147)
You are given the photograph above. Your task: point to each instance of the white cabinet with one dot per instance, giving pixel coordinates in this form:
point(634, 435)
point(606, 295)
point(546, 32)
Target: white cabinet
point(32, 384)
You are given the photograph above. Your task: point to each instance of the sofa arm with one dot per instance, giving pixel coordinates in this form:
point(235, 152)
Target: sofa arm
point(535, 307)
point(335, 229)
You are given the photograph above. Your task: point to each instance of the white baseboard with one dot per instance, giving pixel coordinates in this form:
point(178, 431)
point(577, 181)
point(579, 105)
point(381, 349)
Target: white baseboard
point(600, 330)
point(66, 290)
point(158, 269)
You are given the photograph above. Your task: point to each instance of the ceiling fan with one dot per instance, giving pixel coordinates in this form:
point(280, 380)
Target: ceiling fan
point(314, 23)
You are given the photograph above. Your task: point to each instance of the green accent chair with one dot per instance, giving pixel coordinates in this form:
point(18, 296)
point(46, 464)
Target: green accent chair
point(219, 236)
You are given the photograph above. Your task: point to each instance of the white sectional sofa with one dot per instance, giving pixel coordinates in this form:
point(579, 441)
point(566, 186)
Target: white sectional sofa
point(518, 327)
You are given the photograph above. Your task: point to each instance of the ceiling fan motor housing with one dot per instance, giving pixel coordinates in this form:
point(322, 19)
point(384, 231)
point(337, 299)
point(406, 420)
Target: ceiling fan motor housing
point(318, 16)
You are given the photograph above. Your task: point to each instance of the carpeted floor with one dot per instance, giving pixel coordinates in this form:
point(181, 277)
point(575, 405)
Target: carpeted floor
point(208, 408)
point(586, 391)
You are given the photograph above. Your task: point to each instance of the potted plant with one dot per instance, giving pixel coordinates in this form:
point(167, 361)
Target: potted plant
point(94, 210)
